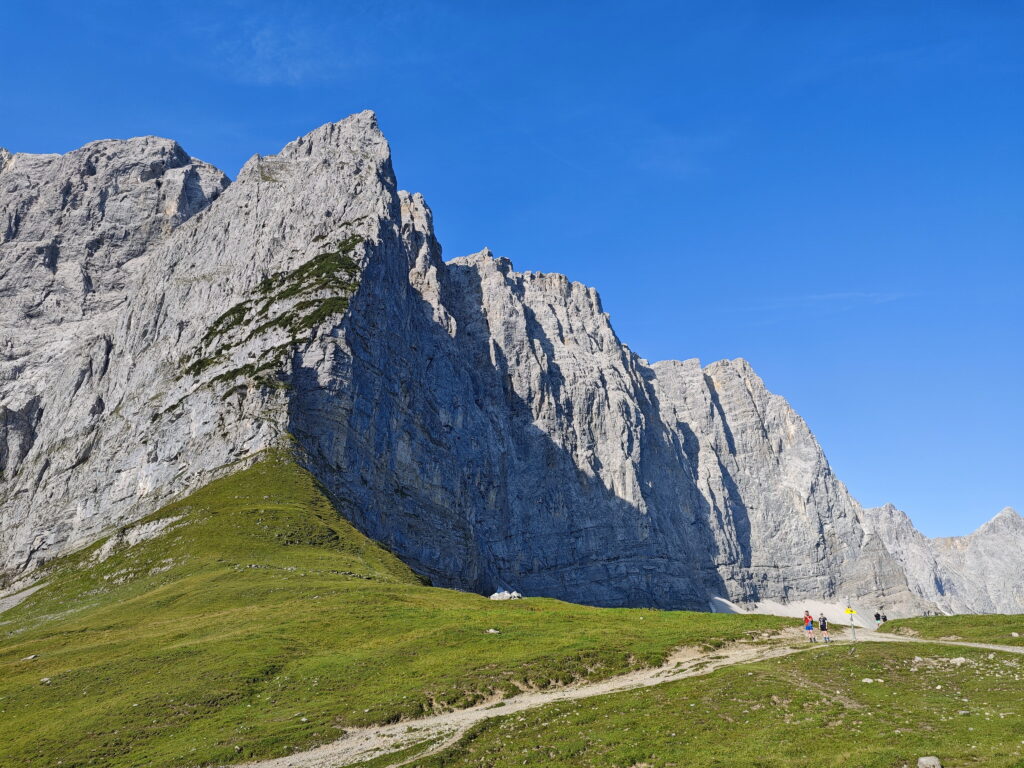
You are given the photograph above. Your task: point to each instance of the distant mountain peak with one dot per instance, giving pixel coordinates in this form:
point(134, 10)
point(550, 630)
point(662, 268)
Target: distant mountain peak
point(1006, 519)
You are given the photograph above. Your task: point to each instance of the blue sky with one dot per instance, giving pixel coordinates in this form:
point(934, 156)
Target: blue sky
point(833, 191)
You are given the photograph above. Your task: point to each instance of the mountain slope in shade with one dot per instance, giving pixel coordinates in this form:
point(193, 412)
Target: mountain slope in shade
point(486, 425)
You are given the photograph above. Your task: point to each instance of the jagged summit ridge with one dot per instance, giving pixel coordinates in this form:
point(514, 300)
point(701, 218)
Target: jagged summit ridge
point(486, 425)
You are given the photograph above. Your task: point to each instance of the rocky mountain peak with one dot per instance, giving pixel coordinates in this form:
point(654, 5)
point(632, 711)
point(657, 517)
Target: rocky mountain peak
point(357, 135)
point(160, 327)
point(1007, 520)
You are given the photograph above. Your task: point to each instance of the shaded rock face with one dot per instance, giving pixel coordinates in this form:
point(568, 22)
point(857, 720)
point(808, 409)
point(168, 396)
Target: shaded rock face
point(486, 425)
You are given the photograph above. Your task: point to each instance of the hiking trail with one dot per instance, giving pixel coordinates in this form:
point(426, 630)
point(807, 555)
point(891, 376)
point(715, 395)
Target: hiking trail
point(444, 729)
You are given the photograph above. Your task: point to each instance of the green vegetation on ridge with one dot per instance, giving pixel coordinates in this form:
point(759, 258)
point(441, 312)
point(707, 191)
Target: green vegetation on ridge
point(259, 622)
point(327, 281)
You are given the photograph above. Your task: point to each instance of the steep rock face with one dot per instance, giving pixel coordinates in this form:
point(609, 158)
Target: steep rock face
point(72, 229)
point(786, 526)
point(992, 558)
point(486, 425)
point(70, 224)
point(489, 427)
point(580, 513)
point(982, 572)
point(155, 391)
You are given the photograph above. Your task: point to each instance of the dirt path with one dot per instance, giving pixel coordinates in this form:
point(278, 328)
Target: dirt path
point(446, 728)
point(884, 637)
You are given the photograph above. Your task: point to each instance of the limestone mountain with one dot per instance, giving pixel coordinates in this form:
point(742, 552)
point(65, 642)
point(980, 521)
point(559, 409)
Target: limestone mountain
point(982, 572)
point(161, 327)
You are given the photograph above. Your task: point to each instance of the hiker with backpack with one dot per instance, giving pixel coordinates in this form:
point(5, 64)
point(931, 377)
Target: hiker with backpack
point(809, 626)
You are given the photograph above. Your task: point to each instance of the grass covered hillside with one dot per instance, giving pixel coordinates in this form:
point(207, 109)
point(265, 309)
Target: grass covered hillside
point(875, 705)
point(256, 622)
point(999, 629)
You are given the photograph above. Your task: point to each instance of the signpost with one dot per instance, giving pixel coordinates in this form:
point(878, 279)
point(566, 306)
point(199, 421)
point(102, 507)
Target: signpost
point(853, 629)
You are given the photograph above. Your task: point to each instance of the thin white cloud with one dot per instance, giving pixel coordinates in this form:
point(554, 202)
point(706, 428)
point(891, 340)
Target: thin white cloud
point(292, 45)
point(263, 50)
point(839, 301)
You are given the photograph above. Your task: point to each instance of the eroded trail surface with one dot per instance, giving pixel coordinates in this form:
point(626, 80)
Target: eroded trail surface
point(444, 729)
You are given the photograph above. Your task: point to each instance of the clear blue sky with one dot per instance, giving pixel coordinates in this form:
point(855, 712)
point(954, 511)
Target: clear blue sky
point(834, 191)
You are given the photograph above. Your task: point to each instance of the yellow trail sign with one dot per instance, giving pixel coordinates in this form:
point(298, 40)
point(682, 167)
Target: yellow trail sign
point(849, 610)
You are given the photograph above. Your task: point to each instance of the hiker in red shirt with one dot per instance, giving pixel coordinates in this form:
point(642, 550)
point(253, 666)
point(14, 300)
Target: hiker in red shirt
point(809, 626)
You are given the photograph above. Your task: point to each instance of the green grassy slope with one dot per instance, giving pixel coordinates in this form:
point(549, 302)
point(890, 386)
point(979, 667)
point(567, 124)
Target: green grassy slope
point(988, 628)
point(260, 622)
point(809, 709)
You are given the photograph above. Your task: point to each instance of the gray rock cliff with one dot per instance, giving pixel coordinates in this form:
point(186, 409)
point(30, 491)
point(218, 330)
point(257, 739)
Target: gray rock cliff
point(160, 326)
point(982, 572)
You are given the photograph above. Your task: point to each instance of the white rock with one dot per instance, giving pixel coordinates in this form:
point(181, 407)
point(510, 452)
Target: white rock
point(505, 595)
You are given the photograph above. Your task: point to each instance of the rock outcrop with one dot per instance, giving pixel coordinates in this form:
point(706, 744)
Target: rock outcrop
point(982, 572)
point(160, 327)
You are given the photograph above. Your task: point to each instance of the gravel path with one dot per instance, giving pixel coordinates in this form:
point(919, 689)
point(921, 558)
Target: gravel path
point(883, 637)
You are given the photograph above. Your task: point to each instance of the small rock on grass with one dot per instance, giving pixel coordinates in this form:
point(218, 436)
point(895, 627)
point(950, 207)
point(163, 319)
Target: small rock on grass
point(929, 762)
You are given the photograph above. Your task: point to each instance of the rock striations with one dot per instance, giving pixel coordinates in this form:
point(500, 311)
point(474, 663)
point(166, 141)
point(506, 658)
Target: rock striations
point(160, 326)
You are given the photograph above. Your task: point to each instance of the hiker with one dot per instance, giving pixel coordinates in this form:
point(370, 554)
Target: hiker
point(809, 626)
point(823, 626)
point(884, 618)
point(878, 619)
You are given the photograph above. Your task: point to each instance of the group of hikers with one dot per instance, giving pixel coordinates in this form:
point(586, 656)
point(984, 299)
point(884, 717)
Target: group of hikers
point(822, 627)
point(880, 619)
